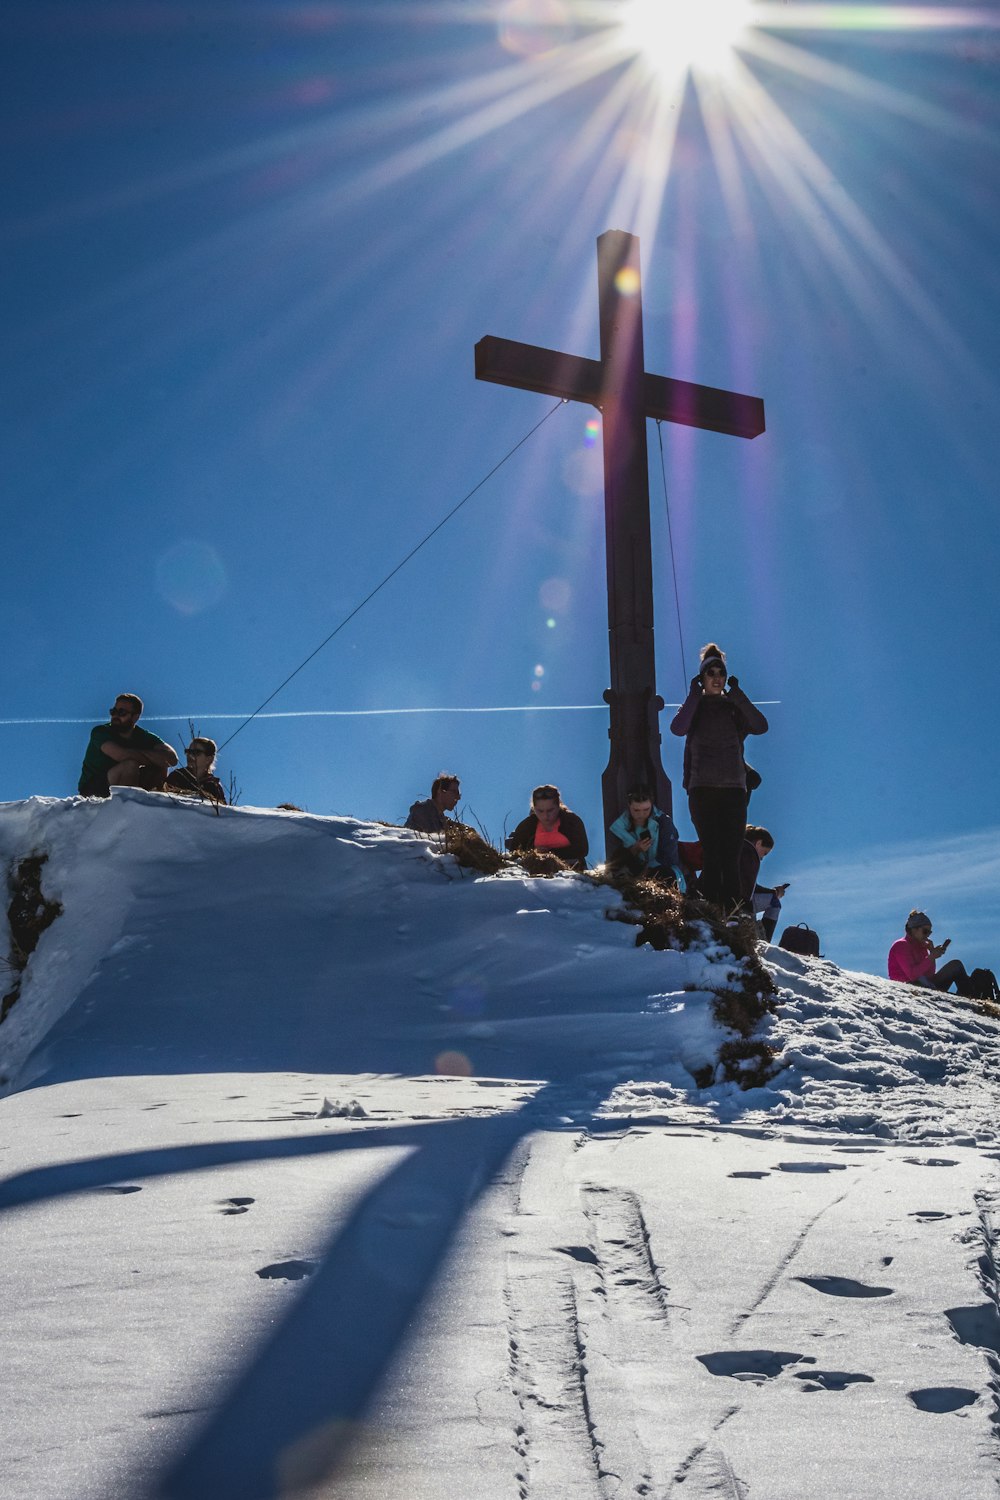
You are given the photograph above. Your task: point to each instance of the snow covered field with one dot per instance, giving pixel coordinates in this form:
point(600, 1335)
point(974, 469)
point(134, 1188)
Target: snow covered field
point(262, 1237)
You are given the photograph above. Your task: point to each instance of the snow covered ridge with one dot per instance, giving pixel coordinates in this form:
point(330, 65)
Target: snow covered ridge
point(194, 942)
point(265, 938)
point(263, 1239)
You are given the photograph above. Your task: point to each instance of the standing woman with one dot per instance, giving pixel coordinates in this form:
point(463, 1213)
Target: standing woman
point(715, 720)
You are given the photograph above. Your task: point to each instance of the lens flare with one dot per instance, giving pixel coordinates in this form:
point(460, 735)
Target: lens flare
point(468, 998)
point(530, 28)
point(191, 577)
point(591, 432)
point(674, 36)
point(627, 281)
point(453, 1064)
point(555, 594)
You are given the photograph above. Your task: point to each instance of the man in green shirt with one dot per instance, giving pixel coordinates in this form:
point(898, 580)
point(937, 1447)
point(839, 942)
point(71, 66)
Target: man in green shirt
point(122, 754)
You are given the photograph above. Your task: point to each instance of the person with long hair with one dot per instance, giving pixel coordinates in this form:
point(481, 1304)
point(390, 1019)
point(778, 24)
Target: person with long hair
point(714, 719)
point(551, 828)
point(198, 777)
point(647, 840)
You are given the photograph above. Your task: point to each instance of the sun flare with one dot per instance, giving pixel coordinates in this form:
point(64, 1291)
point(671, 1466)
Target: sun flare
point(674, 36)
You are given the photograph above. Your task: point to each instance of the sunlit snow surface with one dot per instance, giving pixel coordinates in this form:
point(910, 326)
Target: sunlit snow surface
point(256, 1242)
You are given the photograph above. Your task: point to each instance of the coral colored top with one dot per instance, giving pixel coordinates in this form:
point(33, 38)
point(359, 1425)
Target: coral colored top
point(910, 960)
point(550, 839)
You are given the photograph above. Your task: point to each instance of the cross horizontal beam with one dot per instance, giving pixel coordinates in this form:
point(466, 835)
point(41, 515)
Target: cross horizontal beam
point(531, 368)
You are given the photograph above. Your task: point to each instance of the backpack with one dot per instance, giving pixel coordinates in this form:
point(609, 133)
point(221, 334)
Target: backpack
point(800, 939)
point(982, 985)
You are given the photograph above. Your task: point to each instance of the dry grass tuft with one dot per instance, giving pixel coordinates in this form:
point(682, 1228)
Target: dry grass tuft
point(666, 920)
point(471, 850)
point(743, 1010)
point(750, 1064)
point(540, 862)
point(29, 913)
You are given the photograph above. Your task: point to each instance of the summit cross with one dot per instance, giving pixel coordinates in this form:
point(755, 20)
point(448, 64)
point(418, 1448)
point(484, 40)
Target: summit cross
point(626, 395)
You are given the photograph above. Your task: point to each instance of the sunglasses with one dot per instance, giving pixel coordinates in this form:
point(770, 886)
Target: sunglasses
point(122, 713)
point(714, 672)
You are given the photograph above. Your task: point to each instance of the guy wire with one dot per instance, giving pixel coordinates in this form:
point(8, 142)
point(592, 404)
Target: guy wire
point(379, 586)
point(673, 561)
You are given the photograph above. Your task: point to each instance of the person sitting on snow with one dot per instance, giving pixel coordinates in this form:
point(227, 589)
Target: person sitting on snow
point(552, 828)
point(648, 840)
point(197, 778)
point(764, 899)
point(119, 753)
point(429, 816)
point(912, 959)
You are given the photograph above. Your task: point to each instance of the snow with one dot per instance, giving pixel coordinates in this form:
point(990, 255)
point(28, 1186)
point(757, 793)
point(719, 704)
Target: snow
point(329, 1168)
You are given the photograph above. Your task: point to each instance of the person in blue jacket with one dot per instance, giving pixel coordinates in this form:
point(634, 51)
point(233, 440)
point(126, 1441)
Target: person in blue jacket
point(648, 840)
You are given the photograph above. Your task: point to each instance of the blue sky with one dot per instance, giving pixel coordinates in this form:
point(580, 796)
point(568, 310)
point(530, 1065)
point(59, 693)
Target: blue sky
point(247, 251)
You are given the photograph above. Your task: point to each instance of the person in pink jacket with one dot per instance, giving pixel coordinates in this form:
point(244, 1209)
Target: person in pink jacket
point(913, 958)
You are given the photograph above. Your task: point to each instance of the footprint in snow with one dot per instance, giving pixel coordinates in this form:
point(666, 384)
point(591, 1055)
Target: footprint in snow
point(578, 1252)
point(844, 1286)
point(928, 1215)
point(288, 1270)
point(756, 1365)
point(121, 1187)
point(942, 1398)
point(930, 1161)
point(811, 1166)
point(235, 1205)
point(749, 1174)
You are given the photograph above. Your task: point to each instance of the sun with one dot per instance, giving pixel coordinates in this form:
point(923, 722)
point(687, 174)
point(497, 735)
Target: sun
point(677, 36)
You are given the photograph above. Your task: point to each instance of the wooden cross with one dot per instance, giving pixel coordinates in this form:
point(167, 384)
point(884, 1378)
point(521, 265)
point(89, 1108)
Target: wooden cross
point(626, 395)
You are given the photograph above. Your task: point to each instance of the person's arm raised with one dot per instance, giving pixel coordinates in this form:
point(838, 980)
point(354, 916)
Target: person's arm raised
point(752, 716)
point(684, 717)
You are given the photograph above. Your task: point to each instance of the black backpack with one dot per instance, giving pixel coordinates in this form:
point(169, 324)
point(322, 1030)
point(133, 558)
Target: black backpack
point(800, 939)
point(982, 985)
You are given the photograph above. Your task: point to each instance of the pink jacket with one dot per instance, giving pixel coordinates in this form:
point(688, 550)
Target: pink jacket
point(910, 961)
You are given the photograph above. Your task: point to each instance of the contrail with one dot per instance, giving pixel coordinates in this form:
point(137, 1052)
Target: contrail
point(366, 713)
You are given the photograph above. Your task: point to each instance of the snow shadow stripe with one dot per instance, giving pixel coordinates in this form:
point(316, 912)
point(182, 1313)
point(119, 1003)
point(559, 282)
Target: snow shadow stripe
point(288, 1420)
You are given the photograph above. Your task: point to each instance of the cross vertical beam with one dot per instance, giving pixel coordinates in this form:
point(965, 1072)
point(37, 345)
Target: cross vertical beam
point(626, 395)
point(632, 698)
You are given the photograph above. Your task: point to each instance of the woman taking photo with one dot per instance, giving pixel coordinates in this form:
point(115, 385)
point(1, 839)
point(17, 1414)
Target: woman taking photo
point(647, 839)
point(715, 719)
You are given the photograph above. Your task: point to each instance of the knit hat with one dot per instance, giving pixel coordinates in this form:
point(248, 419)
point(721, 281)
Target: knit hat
point(712, 656)
point(918, 919)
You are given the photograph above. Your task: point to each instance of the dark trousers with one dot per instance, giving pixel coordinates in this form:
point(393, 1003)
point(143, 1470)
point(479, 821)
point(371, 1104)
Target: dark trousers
point(719, 814)
point(951, 973)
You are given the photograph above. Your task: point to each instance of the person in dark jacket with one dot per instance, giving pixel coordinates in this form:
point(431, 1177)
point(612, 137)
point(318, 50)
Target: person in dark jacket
point(429, 816)
point(715, 718)
point(765, 900)
point(550, 826)
point(122, 753)
point(198, 777)
point(648, 840)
